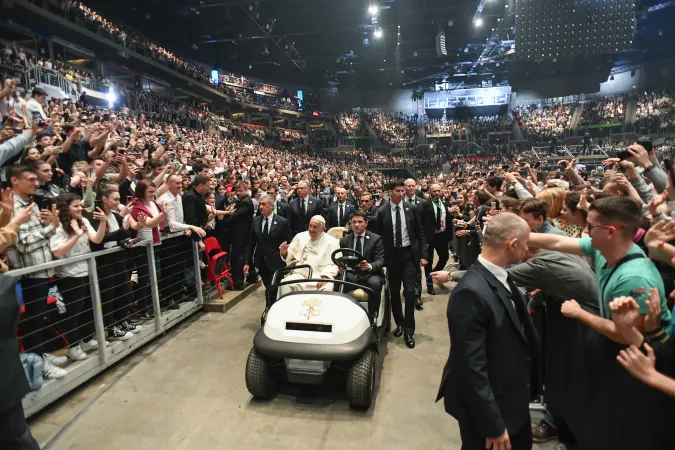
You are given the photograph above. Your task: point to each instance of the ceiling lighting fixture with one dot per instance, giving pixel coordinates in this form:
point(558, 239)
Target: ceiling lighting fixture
point(378, 33)
point(478, 22)
point(372, 10)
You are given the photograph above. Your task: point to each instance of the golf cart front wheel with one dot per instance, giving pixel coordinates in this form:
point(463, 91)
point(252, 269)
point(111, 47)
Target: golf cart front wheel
point(361, 380)
point(260, 380)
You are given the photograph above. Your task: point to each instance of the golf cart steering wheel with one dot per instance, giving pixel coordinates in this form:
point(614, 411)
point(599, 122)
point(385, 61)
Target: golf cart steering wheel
point(350, 258)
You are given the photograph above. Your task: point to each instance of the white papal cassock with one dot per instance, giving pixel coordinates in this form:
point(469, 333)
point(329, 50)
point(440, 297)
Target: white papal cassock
point(315, 253)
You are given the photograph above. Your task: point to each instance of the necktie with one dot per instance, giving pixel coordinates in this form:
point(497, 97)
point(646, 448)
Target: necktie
point(303, 211)
point(265, 227)
point(340, 216)
point(410, 200)
point(438, 216)
point(359, 248)
point(398, 231)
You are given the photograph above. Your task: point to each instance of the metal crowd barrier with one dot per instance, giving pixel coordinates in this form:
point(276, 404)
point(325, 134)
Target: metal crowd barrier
point(162, 271)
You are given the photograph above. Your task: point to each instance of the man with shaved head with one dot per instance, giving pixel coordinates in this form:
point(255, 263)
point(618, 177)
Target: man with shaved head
point(437, 230)
point(339, 213)
point(302, 208)
point(486, 382)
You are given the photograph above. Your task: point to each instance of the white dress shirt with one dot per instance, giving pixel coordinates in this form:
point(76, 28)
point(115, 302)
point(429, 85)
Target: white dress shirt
point(174, 210)
point(500, 273)
point(267, 219)
point(405, 239)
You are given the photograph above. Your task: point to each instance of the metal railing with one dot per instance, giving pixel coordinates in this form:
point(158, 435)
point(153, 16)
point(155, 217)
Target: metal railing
point(162, 272)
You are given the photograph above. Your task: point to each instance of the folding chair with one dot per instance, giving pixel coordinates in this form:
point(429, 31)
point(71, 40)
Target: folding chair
point(217, 263)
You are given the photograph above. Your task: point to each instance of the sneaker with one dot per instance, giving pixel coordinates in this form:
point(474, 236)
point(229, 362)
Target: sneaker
point(134, 320)
point(117, 334)
point(128, 327)
point(52, 372)
point(92, 345)
point(543, 432)
point(134, 278)
point(55, 360)
point(77, 354)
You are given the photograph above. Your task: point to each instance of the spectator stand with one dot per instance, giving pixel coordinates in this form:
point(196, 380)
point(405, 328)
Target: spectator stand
point(161, 282)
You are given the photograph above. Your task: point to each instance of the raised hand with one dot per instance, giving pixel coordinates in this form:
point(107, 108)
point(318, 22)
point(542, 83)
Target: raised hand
point(571, 309)
point(7, 201)
point(283, 248)
point(99, 214)
point(76, 227)
point(640, 366)
point(23, 215)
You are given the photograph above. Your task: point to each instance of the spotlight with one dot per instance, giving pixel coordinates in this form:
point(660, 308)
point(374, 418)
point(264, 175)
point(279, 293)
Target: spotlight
point(478, 22)
point(378, 33)
point(372, 10)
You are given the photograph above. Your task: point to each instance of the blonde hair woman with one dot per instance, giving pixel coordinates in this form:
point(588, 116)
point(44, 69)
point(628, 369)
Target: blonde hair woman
point(555, 198)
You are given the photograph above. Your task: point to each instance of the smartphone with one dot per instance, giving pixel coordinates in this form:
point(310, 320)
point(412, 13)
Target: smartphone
point(66, 117)
point(92, 172)
point(162, 141)
point(454, 195)
point(624, 154)
point(106, 117)
point(44, 203)
point(121, 151)
point(537, 165)
point(668, 164)
point(37, 118)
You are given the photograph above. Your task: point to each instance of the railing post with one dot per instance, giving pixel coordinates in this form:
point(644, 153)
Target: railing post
point(97, 308)
point(154, 287)
point(198, 273)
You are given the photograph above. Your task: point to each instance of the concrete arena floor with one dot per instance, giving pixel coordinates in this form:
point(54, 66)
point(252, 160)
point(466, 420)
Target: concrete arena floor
point(190, 394)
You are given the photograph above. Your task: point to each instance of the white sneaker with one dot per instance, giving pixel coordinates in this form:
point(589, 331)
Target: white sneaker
point(55, 360)
point(126, 326)
point(52, 372)
point(92, 345)
point(117, 334)
point(76, 353)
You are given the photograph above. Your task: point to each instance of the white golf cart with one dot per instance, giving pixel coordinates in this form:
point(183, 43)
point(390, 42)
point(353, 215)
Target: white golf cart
point(306, 333)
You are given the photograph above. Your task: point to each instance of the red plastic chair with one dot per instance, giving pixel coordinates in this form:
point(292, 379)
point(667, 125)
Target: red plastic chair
point(217, 261)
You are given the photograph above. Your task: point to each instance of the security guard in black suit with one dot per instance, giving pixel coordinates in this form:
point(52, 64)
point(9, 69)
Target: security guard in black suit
point(268, 232)
point(302, 209)
point(411, 198)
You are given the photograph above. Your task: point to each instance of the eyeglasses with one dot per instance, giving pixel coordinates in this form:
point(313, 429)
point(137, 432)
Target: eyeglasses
point(609, 227)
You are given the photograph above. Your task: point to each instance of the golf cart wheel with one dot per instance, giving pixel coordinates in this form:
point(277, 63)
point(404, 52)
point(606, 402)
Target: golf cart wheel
point(260, 380)
point(361, 380)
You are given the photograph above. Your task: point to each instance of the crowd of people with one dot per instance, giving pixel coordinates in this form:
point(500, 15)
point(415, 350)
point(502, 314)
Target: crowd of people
point(544, 121)
point(81, 179)
point(606, 110)
point(348, 123)
point(445, 127)
point(482, 126)
point(655, 113)
point(394, 129)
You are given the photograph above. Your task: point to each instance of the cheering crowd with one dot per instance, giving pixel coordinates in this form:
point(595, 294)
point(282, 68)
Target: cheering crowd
point(81, 179)
point(444, 127)
point(394, 129)
point(481, 126)
point(542, 122)
point(606, 110)
point(655, 113)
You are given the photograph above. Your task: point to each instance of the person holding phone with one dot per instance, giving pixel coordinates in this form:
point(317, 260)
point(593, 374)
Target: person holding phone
point(35, 107)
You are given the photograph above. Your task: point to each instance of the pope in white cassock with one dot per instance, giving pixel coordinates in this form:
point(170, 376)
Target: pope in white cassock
point(312, 247)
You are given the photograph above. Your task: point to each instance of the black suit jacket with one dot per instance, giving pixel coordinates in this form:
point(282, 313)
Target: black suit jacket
point(194, 210)
point(13, 382)
point(384, 226)
point(332, 215)
point(296, 220)
point(488, 377)
point(428, 214)
point(373, 250)
point(239, 222)
point(260, 247)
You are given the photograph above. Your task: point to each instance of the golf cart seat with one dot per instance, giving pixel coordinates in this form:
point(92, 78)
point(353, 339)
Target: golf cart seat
point(360, 296)
point(337, 232)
